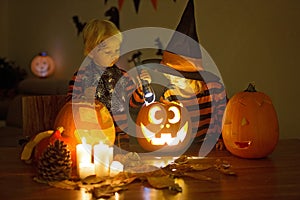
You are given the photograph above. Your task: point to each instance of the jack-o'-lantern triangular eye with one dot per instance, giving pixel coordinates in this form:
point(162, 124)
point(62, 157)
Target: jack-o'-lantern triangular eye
point(244, 121)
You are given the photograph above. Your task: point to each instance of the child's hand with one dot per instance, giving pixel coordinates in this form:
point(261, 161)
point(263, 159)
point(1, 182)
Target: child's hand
point(144, 75)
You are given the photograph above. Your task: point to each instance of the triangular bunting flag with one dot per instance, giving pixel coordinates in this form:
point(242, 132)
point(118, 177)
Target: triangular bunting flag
point(154, 3)
point(136, 5)
point(120, 4)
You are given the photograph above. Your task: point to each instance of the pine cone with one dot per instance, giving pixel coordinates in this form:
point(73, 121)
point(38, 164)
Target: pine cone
point(55, 164)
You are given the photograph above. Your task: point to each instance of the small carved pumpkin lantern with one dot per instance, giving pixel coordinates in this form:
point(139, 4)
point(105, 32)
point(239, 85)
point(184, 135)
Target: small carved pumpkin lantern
point(83, 120)
point(163, 126)
point(250, 124)
point(42, 65)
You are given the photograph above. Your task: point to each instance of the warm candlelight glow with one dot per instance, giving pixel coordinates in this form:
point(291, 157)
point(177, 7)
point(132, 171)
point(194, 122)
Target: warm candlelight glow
point(103, 155)
point(86, 169)
point(115, 168)
point(84, 158)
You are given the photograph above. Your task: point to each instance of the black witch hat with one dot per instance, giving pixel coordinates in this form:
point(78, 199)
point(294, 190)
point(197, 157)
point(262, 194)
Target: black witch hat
point(182, 56)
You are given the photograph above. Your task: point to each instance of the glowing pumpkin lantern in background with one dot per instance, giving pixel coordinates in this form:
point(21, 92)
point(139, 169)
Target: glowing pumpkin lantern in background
point(163, 126)
point(42, 65)
point(82, 120)
point(250, 124)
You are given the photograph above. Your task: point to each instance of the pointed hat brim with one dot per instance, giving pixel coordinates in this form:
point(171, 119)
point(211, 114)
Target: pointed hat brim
point(156, 66)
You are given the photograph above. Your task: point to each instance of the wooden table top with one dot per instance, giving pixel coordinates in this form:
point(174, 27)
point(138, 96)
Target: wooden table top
point(274, 177)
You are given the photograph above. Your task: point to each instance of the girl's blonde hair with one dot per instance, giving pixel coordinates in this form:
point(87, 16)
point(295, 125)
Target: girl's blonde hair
point(96, 31)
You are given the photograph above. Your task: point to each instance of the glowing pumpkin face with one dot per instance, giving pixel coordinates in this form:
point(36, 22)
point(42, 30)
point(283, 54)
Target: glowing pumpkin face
point(163, 126)
point(82, 120)
point(250, 125)
point(42, 65)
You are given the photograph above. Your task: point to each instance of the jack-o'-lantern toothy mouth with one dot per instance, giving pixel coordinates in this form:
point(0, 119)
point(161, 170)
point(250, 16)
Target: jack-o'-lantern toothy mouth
point(42, 69)
point(243, 144)
point(165, 138)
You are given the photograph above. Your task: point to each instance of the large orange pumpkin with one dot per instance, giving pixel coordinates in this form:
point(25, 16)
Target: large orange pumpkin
point(82, 119)
point(163, 126)
point(250, 124)
point(42, 65)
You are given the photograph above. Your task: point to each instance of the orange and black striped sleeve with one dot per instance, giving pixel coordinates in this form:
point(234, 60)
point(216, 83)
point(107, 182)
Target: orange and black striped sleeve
point(205, 109)
point(76, 88)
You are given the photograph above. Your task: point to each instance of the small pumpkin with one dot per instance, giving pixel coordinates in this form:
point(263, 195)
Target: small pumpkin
point(250, 124)
point(82, 119)
point(56, 135)
point(163, 126)
point(42, 65)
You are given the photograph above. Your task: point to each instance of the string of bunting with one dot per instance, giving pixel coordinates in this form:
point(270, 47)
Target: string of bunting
point(136, 4)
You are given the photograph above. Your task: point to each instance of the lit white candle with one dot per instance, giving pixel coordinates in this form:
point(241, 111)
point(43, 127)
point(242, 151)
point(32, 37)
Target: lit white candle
point(83, 154)
point(86, 169)
point(101, 159)
point(115, 168)
point(110, 154)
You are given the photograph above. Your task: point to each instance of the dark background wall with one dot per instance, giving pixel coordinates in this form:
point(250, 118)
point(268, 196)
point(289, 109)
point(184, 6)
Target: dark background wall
point(249, 40)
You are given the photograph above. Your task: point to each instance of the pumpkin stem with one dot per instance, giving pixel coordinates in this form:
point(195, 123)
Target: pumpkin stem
point(251, 88)
point(56, 135)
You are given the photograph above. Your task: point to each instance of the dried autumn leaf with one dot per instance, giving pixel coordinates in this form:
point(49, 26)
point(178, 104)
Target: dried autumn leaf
point(181, 160)
point(105, 191)
point(142, 168)
point(224, 167)
point(93, 179)
point(161, 182)
point(222, 164)
point(68, 185)
point(178, 167)
point(158, 172)
point(122, 175)
point(176, 188)
point(122, 182)
point(200, 167)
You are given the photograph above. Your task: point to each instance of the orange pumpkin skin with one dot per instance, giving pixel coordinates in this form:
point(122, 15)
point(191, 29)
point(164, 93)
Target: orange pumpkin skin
point(250, 125)
point(161, 123)
point(42, 65)
point(94, 118)
point(57, 135)
point(92, 121)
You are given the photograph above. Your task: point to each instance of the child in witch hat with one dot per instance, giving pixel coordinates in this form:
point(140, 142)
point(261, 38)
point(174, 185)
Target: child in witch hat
point(200, 91)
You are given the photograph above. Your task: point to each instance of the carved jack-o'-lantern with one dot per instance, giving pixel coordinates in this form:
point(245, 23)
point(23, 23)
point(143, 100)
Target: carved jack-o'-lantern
point(250, 125)
point(42, 65)
point(92, 121)
point(82, 120)
point(163, 127)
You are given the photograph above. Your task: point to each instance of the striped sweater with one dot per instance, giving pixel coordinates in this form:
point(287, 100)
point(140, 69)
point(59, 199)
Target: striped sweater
point(205, 109)
point(111, 86)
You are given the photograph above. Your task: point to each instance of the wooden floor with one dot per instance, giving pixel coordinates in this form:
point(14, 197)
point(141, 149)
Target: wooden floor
point(274, 177)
